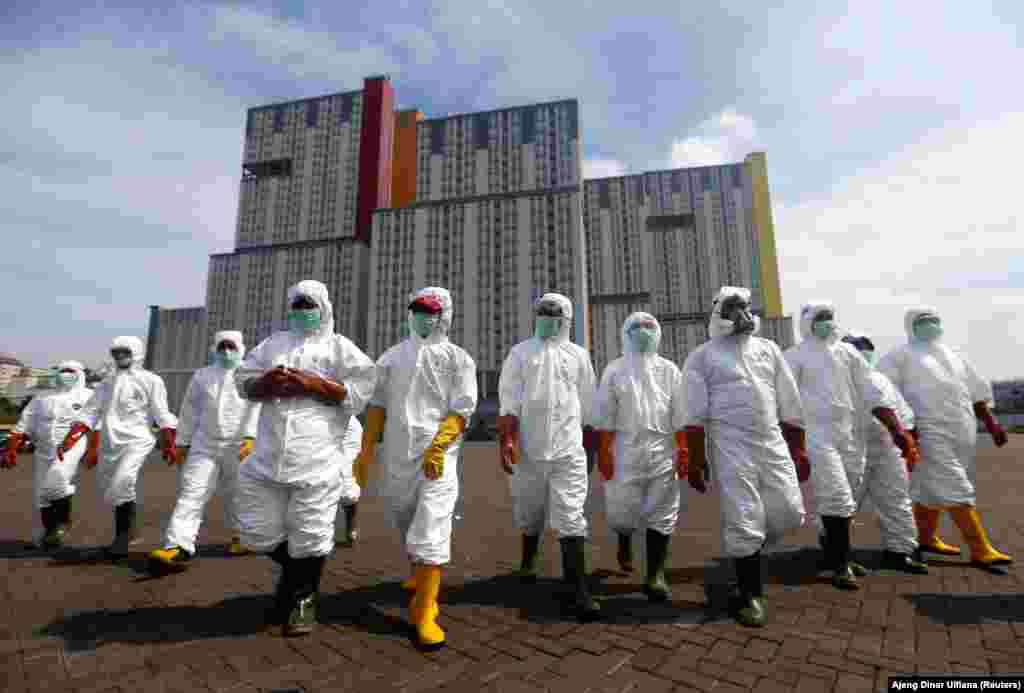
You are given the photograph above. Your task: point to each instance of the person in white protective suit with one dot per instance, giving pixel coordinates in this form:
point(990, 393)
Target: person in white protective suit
point(546, 391)
point(216, 429)
point(426, 393)
point(639, 414)
point(310, 382)
point(835, 384)
point(46, 421)
point(947, 395)
point(351, 491)
point(744, 428)
point(886, 480)
point(121, 408)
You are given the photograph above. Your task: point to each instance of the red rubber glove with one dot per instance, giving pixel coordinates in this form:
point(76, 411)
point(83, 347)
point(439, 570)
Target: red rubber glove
point(74, 435)
point(92, 453)
point(999, 436)
point(697, 469)
point(508, 444)
point(605, 458)
point(682, 457)
point(795, 441)
point(10, 458)
point(167, 446)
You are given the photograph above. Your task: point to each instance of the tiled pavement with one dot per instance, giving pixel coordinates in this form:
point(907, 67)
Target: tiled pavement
point(73, 623)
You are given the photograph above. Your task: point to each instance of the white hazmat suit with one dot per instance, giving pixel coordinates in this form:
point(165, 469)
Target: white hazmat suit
point(948, 396)
point(739, 388)
point(212, 423)
point(350, 489)
point(835, 384)
point(549, 386)
point(886, 481)
point(123, 405)
point(289, 488)
point(641, 399)
point(420, 382)
point(47, 420)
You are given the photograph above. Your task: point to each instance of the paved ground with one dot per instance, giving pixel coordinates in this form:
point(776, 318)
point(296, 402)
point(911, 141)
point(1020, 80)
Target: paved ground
point(74, 623)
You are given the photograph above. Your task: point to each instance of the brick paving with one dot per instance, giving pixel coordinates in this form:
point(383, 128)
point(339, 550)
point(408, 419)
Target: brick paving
point(73, 622)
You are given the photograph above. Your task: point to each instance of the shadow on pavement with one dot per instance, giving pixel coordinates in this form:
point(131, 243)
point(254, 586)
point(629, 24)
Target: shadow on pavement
point(952, 609)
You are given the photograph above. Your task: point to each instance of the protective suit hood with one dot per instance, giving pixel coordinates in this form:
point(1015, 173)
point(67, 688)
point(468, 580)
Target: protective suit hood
point(628, 349)
point(444, 325)
point(79, 370)
point(133, 344)
point(232, 336)
point(913, 314)
point(566, 331)
point(318, 293)
point(719, 327)
point(807, 313)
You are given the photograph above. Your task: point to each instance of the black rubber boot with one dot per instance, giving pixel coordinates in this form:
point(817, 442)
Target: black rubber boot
point(278, 613)
point(54, 533)
point(906, 563)
point(63, 512)
point(531, 550)
point(351, 533)
point(748, 605)
point(656, 586)
point(573, 568)
point(837, 552)
point(625, 554)
point(124, 525)
point(306, 573)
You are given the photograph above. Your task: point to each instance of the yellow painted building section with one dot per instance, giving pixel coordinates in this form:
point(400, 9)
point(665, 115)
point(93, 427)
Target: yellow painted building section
point(757, 168)
point(403, 165)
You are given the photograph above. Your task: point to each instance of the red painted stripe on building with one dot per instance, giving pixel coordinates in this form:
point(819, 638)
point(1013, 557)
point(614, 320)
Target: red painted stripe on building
point(375, 153)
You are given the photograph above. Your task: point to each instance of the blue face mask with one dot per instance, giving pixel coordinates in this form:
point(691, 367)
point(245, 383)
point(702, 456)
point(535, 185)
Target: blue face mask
point(304, 321)
point(823, 329)
point(66, 379)
point(547, 327)
point(928, 330)
point(871, 357)
point(643, 339)
point(423, 324)
point(228, 359)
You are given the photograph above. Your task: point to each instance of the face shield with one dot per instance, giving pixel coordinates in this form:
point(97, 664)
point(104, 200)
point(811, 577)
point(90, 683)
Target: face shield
point(736, 309)
point(927, 327)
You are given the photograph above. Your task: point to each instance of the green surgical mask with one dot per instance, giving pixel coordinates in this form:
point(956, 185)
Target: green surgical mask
point(547, 327)
point(643, 340)
point(871, 357)
point(403, 329)
point(304, 320)
point(928, 330)
point(228, 359)
point(66, 379)
point(823, 329)
point(423, 324)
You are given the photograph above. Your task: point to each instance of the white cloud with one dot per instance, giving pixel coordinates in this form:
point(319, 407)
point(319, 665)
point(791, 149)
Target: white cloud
point(727, 137)
point(603, 168)
point(937, 223)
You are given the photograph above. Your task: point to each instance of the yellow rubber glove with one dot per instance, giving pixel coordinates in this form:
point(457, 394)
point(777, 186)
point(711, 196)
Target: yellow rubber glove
point(246, 449)
point(433, 457)
point(375, 417)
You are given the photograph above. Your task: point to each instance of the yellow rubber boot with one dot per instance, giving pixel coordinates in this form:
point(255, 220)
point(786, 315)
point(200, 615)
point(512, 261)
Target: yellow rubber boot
point(235, 548)
point(175, 558)
point(927, 520)
point(423, 609)
point(969, 522)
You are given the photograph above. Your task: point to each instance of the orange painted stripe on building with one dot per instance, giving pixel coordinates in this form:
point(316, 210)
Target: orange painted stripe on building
point(403, 162)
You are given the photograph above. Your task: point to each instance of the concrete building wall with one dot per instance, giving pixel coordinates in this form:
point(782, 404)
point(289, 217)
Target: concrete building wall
point(495, 254)
point(512, 150)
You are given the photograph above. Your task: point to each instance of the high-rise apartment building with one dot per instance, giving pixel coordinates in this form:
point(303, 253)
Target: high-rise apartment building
point(491, 205)
point(664, 242)
point(496, 219)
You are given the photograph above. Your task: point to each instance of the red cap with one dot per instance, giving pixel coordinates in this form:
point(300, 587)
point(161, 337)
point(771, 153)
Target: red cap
point(426, 304)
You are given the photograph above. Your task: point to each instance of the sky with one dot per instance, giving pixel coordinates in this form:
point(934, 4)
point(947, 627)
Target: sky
point(891, 132)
